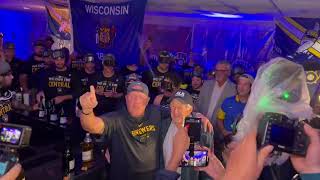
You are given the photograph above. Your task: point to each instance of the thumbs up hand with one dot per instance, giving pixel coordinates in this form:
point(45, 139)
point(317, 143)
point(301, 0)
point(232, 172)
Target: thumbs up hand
point(88, 100)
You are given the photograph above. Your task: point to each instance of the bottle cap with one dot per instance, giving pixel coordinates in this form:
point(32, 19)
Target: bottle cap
point(87, 139)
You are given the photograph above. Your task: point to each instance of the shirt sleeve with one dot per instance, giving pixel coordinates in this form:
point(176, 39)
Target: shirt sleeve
point(221, 114)
point(109, 120)
point(164, 174)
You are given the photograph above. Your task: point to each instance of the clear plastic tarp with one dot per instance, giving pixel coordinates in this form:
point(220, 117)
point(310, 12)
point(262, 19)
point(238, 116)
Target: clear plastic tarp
point(280, 86)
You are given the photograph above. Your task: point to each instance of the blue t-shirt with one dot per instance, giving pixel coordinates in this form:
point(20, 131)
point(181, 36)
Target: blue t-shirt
point(231, 110)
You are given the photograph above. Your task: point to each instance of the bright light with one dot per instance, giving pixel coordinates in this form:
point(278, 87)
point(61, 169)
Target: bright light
point(26, 8)
point(221, 15)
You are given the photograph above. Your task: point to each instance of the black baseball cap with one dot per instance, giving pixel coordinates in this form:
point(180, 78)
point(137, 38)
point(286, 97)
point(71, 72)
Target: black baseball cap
point(197, 74)
point(1, 34)
point(109, 60)
point(47, 53)
point(89, 58)
point(184, 97)
point(38, 43)
point(49, 38)
point(4, 67)
point(59, 53)
point(164, 57)
point(9, 45)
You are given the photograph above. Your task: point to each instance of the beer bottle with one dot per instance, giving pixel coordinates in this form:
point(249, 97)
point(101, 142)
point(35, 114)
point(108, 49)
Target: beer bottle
point(42, 111)
point(68, 161)
point(63, 118)
point(53, 113)
point(87, 152)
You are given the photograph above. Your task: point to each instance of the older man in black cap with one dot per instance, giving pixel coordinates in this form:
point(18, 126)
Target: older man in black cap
point(109, 86)
point(134, 132)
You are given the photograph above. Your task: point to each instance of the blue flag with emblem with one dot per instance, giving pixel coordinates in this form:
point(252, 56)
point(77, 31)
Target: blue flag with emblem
point(102, 28)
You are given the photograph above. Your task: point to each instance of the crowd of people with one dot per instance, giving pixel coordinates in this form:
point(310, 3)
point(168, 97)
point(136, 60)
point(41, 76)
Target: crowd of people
point(141, 109)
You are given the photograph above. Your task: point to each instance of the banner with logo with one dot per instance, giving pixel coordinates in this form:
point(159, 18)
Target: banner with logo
point(299, 40)
point(101, 28)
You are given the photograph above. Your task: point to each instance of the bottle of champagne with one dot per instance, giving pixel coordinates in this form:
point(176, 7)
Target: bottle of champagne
point(53, 113)
point(63, 118)
point(87, 152)
point(42, 111)
point(68, 161)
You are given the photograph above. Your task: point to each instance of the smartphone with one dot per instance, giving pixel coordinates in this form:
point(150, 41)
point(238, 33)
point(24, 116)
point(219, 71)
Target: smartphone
point(199, 158)
point(194, 128)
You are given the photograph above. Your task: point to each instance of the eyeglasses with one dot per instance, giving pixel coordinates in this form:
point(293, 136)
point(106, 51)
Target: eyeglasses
point(222, 70)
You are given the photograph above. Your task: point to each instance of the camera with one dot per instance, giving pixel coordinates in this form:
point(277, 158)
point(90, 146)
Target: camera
point(285, 134)
point(12, 137)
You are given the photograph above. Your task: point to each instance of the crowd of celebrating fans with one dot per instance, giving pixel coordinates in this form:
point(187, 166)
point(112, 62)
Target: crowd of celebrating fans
point(141, 108)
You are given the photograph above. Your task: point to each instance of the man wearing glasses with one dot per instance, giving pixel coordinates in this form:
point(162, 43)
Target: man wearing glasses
point(211, 96)
point(213, 92)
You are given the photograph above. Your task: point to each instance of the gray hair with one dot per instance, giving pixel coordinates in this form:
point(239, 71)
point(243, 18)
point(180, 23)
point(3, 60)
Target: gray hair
point(225, 62)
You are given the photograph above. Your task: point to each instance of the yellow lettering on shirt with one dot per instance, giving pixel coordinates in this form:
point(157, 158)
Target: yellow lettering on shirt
point(5, 108)
point(143, 130)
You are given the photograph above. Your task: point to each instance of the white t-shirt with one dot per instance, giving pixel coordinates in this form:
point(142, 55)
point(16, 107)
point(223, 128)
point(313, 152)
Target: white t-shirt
point(215, 96)
point(168, 144)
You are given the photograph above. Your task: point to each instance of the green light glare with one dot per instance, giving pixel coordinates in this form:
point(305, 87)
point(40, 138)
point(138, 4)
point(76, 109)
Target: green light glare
point(263, 102)
point(286, 95)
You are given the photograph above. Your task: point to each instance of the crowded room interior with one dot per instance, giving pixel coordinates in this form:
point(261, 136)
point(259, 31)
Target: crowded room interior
point(159, 90)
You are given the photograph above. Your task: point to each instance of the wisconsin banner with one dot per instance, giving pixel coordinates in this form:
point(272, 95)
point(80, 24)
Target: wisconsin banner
point(299, 40)
point(102, 28)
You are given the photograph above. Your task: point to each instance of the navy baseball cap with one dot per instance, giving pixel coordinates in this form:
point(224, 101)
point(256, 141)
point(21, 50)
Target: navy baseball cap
point(138, 87)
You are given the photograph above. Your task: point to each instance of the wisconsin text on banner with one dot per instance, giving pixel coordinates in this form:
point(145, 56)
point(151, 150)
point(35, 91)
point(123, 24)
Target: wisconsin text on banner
point(102, 28)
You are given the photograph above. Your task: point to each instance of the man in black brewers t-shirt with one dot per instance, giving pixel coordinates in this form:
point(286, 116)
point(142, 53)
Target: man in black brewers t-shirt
point(133, 131)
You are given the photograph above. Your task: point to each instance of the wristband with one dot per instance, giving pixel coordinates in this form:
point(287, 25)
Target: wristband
point(86, 113)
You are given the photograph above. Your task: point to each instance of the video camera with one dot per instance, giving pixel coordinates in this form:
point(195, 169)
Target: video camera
point(285, 134)
point(12, 137)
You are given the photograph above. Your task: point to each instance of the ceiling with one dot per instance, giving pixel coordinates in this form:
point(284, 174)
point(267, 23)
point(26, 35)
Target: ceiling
point(293, 8)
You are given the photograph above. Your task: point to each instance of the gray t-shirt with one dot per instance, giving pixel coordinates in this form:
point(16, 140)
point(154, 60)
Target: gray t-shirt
point(134, 143)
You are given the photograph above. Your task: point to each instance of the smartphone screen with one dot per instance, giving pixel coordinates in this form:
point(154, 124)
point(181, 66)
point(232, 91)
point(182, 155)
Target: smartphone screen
point(198, 158)
point(194, 128)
